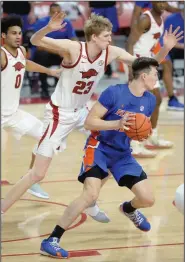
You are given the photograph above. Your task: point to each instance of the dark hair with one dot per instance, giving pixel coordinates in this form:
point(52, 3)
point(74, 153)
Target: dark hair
point(54, 5)
point(143, 64)
point(9, 21)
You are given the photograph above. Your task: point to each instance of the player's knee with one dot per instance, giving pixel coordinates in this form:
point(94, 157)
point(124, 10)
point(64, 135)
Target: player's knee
point(91, 196)
point(148, 201)
point(36, 176)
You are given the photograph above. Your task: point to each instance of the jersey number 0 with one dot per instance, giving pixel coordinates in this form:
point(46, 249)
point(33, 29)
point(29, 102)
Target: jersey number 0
point(18, 81)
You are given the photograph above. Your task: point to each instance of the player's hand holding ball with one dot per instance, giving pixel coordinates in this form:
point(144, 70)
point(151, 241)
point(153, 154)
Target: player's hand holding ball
point(140, 127)
point(127, 120)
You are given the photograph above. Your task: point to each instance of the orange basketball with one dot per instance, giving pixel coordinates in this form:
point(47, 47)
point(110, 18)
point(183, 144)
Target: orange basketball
point(141, 128)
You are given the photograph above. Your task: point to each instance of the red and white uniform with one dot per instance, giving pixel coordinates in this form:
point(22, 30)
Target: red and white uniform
point(148, 40)
point(67, 109)
point(12, 117)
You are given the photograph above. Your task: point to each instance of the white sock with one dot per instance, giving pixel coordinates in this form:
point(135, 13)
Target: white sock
point(92, 211)
point(154, 132)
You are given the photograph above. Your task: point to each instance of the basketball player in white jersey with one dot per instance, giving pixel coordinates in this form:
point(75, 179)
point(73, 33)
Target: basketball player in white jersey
point(82, 67)
point(13, 66)
point(141, 42)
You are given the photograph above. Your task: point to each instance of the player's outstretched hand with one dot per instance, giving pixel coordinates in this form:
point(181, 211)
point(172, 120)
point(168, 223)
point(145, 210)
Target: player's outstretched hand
point(170, 38)
point(125, 120)
point(55, 72)
point(57, 22)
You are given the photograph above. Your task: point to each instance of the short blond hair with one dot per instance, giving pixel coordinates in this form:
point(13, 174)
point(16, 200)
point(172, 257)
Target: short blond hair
point(95, 25)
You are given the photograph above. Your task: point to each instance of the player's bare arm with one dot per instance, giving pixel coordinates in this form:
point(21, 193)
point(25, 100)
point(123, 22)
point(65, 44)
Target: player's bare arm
point(65, 45)
point(95, 122)
point(3, 59)
point(142, 26)
point(34, 67)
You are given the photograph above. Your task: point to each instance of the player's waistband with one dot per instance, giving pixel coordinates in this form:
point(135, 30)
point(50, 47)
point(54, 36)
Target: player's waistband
point(66, 109)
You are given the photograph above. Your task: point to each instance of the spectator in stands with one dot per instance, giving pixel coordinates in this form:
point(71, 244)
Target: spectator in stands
point(107, 9)
point(23, 8)
point(47, 57)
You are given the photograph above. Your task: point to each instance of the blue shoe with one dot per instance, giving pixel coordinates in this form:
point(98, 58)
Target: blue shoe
point(137, 218)
point(37, 191)
point(50, 247)
point(174, 104)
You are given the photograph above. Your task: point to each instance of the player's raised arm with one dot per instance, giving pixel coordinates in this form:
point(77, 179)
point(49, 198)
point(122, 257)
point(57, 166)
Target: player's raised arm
point(55, 23)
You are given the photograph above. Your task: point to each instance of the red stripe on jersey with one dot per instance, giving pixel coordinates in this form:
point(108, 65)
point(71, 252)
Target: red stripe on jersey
point(88, 55)
point(106, 57)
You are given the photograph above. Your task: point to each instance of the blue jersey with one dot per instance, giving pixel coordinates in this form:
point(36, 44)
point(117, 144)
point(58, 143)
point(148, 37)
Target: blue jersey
point(118, 99)
point(175, 20)
point(67, 32)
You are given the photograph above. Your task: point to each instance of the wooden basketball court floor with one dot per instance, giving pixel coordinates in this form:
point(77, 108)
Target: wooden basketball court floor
point(31, 219)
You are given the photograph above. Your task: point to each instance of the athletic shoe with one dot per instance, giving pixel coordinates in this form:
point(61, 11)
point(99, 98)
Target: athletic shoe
point(98, 215)
point(154, 142)
point(139, 220)
point(139, 150)
point(37, 191)
point(50, 247)
point(175, 105)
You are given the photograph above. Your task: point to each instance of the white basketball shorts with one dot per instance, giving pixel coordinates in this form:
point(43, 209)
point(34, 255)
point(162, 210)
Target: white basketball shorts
point(58, 124)
point(22, 123)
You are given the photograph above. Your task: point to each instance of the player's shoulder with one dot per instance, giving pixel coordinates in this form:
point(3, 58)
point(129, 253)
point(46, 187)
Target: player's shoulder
point(117, 90)
point(149, 95)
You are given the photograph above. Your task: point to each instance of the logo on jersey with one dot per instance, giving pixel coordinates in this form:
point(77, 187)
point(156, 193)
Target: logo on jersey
point(18, 66)
point(142, 108)
point(89, 73)
point(157, 35)
point(101, 62)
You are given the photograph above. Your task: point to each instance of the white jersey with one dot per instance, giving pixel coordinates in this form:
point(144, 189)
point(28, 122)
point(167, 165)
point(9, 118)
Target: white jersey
point(11, 81)
point(77, 82)
point(148, 40)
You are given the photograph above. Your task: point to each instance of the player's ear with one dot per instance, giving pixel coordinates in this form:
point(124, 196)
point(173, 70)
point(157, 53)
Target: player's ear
point(3, 35)
point(143, 76)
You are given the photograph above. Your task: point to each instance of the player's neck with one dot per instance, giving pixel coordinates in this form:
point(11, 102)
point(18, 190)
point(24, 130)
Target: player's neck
point(10, 49)
point(156, 16)
point(92, 50)
point(136, 88)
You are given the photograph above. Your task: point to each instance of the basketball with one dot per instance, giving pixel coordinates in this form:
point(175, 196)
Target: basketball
point(179, 199)
point(141, 128)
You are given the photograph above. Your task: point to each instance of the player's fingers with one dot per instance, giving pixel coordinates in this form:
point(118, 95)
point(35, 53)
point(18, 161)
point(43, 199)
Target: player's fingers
point(126, 128)
point(176, 30)
point(170, 30)
point(180, 33)
point(179, 38)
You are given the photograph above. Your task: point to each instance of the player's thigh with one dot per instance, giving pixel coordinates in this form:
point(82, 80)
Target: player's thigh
point(125, 167)
point(94, 165)
point(54, 136)
point(80, 124)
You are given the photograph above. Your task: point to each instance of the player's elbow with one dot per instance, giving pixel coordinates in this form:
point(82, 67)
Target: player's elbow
point(33, 40)
point(87, 124)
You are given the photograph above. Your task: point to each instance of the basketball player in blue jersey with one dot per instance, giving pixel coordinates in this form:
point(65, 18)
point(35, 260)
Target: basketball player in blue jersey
point(108, 147)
